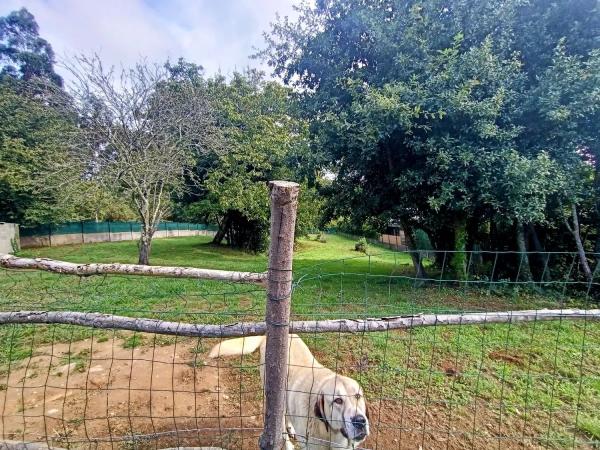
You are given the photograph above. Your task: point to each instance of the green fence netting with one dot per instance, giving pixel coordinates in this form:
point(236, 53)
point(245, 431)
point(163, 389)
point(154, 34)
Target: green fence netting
point(87, 227)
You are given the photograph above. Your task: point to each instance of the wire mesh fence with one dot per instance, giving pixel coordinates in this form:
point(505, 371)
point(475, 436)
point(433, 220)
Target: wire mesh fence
point(532, 384)
point(68, 385)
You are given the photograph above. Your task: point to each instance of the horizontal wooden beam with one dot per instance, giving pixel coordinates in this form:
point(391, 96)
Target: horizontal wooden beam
point(18, 445)
point(108, 321)
point(51, 265)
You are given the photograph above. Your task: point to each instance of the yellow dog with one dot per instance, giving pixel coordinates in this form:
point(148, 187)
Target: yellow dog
point(324, 410)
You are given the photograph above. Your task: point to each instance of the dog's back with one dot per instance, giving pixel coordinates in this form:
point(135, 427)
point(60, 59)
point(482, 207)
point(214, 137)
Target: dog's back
point(299, 353)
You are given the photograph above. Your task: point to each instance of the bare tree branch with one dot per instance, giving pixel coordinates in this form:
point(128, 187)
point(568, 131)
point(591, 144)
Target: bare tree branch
point(141, 132)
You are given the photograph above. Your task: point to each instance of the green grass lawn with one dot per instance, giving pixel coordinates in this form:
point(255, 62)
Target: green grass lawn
point(538, 379)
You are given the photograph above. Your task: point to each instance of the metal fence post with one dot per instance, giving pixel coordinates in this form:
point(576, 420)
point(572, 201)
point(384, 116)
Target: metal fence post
point(284, 201)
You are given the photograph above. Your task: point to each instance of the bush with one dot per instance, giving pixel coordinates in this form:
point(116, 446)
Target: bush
point(362, 245)
point(422, 241)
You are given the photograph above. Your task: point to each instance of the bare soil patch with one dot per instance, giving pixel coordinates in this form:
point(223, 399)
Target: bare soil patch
point(509, 357)
point(91, 394)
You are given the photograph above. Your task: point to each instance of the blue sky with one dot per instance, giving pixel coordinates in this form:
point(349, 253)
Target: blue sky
point(219, 34)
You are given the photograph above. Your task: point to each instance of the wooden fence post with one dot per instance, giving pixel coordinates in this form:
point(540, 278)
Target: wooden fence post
point(284, 201)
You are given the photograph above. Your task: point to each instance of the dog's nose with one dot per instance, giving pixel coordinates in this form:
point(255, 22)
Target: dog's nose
point(359, 422)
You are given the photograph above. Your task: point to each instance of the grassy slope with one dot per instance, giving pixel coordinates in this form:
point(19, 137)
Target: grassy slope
point(515, 371)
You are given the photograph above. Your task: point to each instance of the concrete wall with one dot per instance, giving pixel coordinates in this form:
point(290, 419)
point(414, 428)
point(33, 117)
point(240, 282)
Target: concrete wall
point(88, 238)
point(9, 237)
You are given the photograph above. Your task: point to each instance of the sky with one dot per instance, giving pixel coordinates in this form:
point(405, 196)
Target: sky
point(217, 34)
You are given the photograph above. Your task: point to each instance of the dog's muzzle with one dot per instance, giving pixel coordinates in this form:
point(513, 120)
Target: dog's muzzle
point(359, 422)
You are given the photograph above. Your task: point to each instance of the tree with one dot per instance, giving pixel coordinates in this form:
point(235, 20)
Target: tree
point(566, 105)
point(32, 136)
point(96, 202)
point(33, 124)
point(419, 107)
point(524, 192)
point(23, 53)
point(264, 141)
point(140, 133)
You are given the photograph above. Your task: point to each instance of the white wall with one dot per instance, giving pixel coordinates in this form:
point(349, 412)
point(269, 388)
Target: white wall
point(9, 237)
point(80, 238)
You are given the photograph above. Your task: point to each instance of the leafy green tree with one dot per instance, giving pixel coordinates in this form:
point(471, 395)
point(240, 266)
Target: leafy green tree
point(421, 108)
point(566, 106)
point(32, 136)
point(32, 125)
point(523, 193)
point(23, 53)
point(264, 141)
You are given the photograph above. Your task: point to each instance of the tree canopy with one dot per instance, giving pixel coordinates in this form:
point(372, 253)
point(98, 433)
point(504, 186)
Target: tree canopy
point(23, 53)
point(474, 123)
point(465, 119)
point(264, 139)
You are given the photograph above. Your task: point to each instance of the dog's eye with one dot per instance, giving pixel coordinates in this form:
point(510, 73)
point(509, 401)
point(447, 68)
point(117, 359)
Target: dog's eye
point(358, 396)
point(339, 400)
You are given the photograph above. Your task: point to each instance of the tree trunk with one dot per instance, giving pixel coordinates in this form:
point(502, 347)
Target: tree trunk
point(580, 250)
point(420, 272)
point(475, 242)
point(597, 246)
point(524, 267)
point(493, 235)
point(458, 262)
point(145, 246)
point(442, 238)
point(597, 207)
point(543, 255)
point(223, 228)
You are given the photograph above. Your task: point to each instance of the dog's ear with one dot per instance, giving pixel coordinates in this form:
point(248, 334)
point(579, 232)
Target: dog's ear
point(320, 410)
point(367, 410)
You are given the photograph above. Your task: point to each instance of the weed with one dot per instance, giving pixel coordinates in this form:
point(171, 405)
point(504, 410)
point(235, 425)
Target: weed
point(133, 341)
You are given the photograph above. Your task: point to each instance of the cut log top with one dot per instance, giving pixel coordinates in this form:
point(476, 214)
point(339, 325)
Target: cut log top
point(283, 184)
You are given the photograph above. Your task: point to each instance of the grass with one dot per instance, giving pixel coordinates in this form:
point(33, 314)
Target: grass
point(79, 360)
point(539, 379)
point(591, 426)
point(133, 341)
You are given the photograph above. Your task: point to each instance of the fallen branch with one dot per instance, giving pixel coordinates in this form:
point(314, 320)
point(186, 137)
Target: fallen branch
point(107, 321)
point(51, 265)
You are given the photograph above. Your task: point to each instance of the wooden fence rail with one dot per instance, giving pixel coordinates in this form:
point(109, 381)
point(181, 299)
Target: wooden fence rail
point(109, 321)
point(64, 267)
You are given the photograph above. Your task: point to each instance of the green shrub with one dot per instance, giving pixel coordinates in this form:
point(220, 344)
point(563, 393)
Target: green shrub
point(362, 245)
point(422, 241)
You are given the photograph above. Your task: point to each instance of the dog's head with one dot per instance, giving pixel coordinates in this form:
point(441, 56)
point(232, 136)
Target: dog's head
point(340, 404)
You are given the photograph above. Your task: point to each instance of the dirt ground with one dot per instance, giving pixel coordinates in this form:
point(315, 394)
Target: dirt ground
point(92, 394)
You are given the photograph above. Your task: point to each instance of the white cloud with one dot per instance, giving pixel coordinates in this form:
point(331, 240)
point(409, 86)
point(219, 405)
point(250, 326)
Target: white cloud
point(215, 34)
